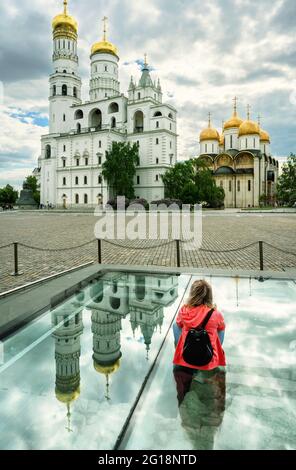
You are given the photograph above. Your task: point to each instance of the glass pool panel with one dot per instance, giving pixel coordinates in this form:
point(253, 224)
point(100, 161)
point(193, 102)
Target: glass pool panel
point(253, 405)
point(69, 379)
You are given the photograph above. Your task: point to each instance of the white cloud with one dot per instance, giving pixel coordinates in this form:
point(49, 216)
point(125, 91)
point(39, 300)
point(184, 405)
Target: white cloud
point(204, 52)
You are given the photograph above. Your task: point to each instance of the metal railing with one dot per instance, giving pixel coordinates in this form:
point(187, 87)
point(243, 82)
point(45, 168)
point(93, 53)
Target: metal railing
point(176, 245)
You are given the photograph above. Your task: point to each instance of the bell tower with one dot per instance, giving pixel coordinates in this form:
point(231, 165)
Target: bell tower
point(65, 83)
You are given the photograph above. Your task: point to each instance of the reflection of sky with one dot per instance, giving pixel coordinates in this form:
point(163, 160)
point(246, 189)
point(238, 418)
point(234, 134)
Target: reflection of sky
point(260, 399)
point(261, 377)
point(31, 416)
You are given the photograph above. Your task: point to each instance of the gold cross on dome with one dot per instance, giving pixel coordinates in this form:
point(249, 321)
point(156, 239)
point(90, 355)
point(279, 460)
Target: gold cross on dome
point(105, 20)
point(210, 115)
point(65, 6)
point(248, 111)
point(145, 59)
point(259, 120)
point(235, 100)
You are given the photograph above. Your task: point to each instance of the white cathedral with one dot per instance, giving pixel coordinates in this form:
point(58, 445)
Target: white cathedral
point(80, 133)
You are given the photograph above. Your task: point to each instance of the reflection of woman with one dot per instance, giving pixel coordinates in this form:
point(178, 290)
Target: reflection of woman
point(201, 404)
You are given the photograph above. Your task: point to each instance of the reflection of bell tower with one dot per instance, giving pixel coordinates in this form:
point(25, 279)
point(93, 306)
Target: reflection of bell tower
point(148, 295)
point(67, 354)
point(106, 343)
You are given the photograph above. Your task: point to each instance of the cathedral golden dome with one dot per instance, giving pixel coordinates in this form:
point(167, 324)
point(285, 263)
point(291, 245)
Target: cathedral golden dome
point(67, 397)
point(264, 136)
point(104, 46)
point(248, 128)
point(107, 370)
point(65, 23)
point(209, 133)
point(235, 120)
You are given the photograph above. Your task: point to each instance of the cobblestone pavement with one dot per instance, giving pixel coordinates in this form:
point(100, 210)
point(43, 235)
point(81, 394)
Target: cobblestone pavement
point(221, 231)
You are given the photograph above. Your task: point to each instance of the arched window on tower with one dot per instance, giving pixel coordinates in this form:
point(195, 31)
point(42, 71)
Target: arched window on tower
point(78, 114)
point(95, 118)
point(138, 121)
point(113, 108)
point(231, 141)
point(54, 90)
point(158, 113)
point(85, 180)
point(113, 122)
point(157, 124)
point(76, 198)
point(76, 180)
point(47, 151)
point(85, 199)
point(75, 92)
point(78, 128)
point(64, 90)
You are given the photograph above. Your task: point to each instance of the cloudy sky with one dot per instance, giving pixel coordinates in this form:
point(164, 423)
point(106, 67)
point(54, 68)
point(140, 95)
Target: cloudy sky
point(204, 51)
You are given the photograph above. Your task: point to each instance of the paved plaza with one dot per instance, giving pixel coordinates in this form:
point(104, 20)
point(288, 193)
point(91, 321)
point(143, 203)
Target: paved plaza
point(221, 231)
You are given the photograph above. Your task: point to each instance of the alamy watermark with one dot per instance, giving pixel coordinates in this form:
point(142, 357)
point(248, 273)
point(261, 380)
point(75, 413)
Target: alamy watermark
point(157, 222)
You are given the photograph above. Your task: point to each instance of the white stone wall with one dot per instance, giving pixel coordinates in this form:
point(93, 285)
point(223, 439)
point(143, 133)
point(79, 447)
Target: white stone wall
point(209, 146)
point(231, 139)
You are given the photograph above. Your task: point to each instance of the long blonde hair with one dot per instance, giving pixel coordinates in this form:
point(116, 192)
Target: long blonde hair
point(200, 294)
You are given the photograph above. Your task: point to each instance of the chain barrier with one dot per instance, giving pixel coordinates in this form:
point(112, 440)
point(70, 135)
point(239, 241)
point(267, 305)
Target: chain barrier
point(233, 250)
point(54, 250)
point(279, 249)
point(138, 247)
point(6, 246)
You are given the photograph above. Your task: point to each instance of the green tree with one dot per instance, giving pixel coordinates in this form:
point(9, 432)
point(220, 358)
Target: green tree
point(192, 182)
point(32, 184)
point(286, 187)
point(8, 195)
point(119, 168)
point(176, 178)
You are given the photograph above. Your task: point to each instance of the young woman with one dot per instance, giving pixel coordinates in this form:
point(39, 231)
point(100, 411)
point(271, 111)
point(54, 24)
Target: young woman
point(191, 315)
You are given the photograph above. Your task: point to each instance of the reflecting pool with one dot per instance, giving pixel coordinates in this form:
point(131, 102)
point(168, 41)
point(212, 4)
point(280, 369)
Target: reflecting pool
point(69, 379)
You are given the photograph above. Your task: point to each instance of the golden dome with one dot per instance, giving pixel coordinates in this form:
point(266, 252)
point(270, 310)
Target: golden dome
point(234, 121)
point(264, 136)
point(67, 397)
point(209, 133)
point(107, 370)
point(104, 46)
point(248, 127)
point(64, 22)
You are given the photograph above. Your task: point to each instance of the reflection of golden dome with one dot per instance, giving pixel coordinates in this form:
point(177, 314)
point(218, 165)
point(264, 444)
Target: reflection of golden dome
point(67, 397)
point(264, 136)
point(248, 127)
point(107, 370)
point(64, 23)
point(104, 47)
